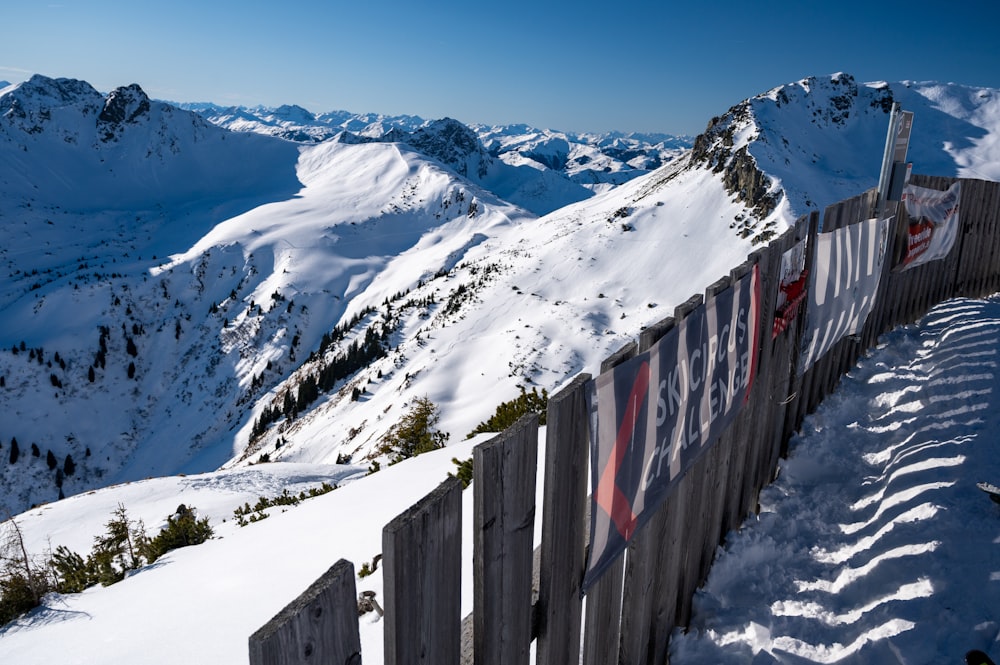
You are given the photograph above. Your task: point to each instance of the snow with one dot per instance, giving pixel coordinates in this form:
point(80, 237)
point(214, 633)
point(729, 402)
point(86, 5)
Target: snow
point(216, 594)
point(874, 544)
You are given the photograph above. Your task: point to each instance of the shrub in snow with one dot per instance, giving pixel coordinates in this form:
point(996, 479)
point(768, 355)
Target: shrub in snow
point(415, 433)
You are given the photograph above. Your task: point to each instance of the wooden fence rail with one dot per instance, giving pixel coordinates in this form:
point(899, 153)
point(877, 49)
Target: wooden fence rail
point(648, 591)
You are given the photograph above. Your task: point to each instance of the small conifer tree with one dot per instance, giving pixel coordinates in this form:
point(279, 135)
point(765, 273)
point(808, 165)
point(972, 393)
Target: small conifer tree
point(415, 433)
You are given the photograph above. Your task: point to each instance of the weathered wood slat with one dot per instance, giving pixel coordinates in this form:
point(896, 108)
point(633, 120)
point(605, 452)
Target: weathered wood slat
point(688, 493)
point(422, 559)
point(503, 527)
point(562, 555)
point(320, 626)
point(642, 575)
point(661, 606)
point(602, 623)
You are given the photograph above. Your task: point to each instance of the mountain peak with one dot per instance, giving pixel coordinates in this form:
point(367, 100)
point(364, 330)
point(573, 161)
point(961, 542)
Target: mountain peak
point(59, 91)
point(294, 113)
point(30, 105)
point(454, 144)
point(127, 104)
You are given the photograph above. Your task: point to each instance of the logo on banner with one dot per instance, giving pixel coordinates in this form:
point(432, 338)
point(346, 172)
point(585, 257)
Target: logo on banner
point(933, 222)
point(609, 495)
point(654, 415)
point(920, 234)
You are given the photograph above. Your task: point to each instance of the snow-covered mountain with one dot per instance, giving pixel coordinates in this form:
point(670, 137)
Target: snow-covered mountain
point(540, 170)
point(813, 142)
point(179, 296)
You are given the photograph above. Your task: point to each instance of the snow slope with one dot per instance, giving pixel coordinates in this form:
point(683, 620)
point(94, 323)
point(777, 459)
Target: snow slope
point(873, 546)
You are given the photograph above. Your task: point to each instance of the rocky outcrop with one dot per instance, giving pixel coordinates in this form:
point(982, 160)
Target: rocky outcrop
point(454, 144)
point(716, 150)
point(125, 105)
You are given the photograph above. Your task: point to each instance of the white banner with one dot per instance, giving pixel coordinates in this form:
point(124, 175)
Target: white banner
point(933, 223)
point(842, 286)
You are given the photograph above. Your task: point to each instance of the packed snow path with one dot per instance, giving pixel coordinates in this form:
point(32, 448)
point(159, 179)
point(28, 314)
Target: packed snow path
point(874, 545)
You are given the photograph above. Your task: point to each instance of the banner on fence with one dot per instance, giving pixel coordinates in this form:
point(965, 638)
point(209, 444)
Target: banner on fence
point(791, 287)
point(843, 285)
point(933, 222)
point(655, 414)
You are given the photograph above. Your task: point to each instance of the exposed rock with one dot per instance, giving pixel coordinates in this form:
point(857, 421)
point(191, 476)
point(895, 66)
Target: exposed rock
point(454, 144)
point(713, 149)
point(124, 105)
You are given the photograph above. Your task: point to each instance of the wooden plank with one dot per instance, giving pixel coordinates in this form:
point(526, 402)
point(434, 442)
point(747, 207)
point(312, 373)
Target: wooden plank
point(803, 381)
point(320, 626)
point(788, 398)
point(658, 560)
point(422, 558)
point(602, 622)
point(715, 489)
point(562, 551)
point(640, 590)
point(687, 494)
point(750, 432)
point(503, 527)
point(780, 355)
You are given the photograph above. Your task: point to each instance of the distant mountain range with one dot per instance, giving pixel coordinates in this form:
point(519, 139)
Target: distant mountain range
point(522, 164)
point(178, 296)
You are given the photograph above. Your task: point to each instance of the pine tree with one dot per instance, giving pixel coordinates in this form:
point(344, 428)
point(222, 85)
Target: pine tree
point(116, 551)
point(183, 529)
point(69, 466)
point(50, 459)
point(415, 433)
point(508, 413)
point(15, 451)
point(73, 573)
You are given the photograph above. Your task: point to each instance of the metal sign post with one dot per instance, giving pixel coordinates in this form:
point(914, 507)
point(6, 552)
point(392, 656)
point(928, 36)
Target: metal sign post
point(894, 172)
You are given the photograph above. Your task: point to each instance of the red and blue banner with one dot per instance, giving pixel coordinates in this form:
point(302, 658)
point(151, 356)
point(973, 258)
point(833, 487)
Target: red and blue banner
point(656, 414)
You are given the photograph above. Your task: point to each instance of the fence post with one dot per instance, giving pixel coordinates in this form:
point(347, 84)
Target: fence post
point(602, 623)
point(320, 626)
point(562, 549)
point(504, 500)
point(422, 561)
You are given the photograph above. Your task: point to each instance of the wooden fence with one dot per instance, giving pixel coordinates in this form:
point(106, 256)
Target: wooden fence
point(521, 595)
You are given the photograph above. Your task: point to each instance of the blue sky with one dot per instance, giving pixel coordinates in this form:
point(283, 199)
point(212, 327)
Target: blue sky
point(665, 66)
